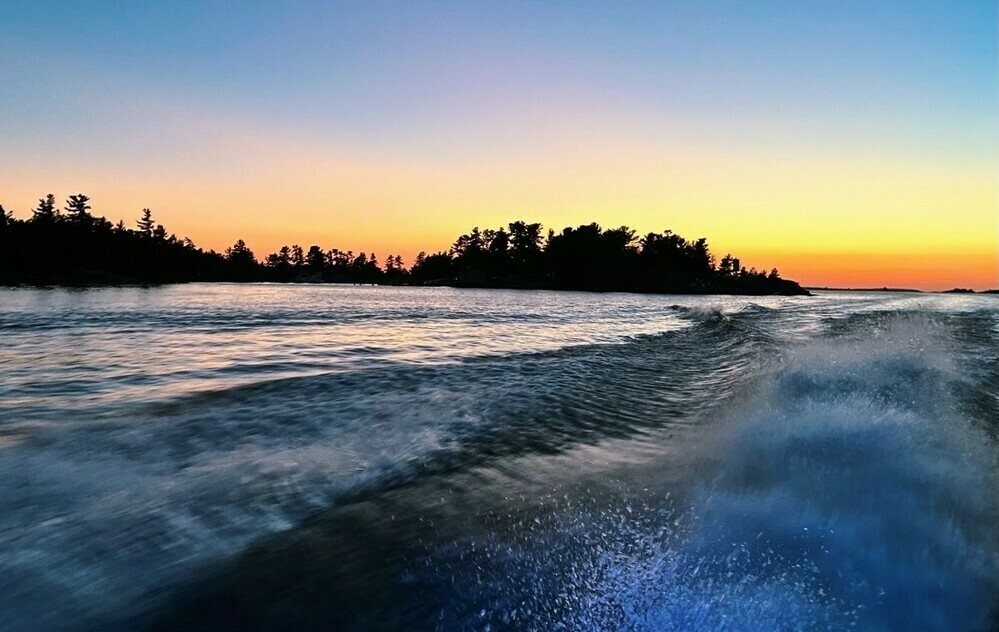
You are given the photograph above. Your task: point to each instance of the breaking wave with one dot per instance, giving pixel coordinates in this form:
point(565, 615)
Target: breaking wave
point(851, 493)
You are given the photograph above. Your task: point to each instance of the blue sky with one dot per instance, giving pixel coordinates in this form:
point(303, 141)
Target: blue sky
point(385, 69)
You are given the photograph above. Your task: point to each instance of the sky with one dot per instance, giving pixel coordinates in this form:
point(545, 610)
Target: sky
point(845, 143)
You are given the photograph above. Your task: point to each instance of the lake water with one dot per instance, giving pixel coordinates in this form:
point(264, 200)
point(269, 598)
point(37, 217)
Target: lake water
point(260, 456)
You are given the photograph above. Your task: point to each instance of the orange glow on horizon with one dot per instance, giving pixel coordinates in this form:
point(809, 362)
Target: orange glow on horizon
point(822, 216)
point(941, 271)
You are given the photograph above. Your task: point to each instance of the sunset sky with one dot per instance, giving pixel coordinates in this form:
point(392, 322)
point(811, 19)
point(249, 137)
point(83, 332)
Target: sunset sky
point(846, 143)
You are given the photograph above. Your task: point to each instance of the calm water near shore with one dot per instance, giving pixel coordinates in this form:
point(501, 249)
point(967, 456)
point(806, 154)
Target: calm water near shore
point(262, 456)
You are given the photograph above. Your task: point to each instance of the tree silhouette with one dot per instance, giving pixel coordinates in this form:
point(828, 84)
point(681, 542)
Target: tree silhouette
point(395, 271)
point(435, 269)
point(242, 261)
point(497, 241)
point(468, 246)
point(146, 223)
point(238, 251)
point(727, 265)
point(77, 208)
point(46, 212)
point(315, 259)
point(525, 246)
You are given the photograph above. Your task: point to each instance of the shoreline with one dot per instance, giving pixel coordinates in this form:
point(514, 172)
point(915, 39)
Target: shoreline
point(806, 290)
point(459, 286)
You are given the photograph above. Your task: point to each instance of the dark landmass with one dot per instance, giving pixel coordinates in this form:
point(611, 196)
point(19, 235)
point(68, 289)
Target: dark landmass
point(956, 290)
point(964, 290)
point(74, 247)
point(864, 289)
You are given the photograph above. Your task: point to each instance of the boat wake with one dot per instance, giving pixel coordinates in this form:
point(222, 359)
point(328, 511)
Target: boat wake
point(852, 493)
point(746, 468)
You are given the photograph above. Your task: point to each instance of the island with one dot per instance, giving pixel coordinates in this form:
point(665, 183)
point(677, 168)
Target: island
point(72, 246)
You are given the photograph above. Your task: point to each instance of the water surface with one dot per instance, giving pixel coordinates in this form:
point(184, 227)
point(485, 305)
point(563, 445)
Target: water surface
point(330, 456)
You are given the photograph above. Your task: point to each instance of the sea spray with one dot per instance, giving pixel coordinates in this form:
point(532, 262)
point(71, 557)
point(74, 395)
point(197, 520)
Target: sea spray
point(854, 497)
point(849, 494)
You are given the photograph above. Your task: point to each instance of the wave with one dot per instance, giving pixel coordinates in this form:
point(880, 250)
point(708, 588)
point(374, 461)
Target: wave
point(215, 321)
point(199, 477)
point(852, 493)
point(855, 486)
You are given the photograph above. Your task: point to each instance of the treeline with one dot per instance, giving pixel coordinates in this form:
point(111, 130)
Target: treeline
point(592, 258)
point(73, 246)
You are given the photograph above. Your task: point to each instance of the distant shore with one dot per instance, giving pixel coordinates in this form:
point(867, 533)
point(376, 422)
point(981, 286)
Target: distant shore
point(956, 290)
point(74, 247)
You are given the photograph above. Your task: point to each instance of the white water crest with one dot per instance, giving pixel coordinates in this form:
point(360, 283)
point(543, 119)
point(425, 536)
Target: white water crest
point(852, 494)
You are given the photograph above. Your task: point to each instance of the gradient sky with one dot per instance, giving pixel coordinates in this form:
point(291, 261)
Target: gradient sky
point(847, 143)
